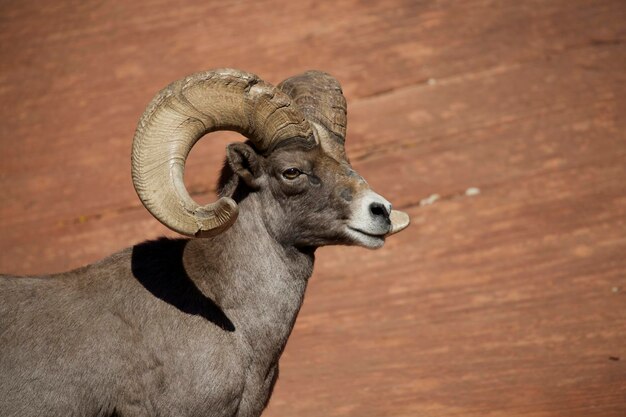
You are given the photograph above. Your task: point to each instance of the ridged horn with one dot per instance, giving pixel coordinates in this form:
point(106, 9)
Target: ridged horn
point(184, 111)
point(319, 97)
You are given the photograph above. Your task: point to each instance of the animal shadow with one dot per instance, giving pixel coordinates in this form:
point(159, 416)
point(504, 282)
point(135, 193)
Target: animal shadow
point(158, 266)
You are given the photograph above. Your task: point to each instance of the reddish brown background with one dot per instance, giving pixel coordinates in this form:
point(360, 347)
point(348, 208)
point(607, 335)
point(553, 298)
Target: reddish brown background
point(508, 303)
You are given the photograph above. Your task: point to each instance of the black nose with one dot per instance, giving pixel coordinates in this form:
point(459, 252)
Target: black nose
point(378, 209)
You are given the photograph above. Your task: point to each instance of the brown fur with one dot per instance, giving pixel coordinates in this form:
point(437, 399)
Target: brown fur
point(179, 327)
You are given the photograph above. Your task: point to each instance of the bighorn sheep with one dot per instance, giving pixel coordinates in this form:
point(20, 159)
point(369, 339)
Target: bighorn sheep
point(195, 327)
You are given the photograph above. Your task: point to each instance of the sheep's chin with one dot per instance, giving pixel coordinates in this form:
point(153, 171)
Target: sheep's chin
point(361, 238)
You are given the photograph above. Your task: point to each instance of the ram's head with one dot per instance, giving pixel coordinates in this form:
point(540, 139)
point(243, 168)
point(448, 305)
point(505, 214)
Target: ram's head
point(294, 163)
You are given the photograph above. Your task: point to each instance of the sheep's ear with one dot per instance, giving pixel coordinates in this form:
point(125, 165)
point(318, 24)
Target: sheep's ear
point(245, 163)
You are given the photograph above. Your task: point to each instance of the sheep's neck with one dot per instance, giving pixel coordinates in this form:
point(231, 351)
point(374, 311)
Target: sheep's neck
point(265, 285)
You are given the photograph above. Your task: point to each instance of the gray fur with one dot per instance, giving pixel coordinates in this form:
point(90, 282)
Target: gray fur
point(178, 327)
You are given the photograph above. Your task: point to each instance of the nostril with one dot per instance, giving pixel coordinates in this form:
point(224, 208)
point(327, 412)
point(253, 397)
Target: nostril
point(378, 209)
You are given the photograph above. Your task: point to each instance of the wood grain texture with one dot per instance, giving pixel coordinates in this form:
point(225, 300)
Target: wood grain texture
point(506, 303)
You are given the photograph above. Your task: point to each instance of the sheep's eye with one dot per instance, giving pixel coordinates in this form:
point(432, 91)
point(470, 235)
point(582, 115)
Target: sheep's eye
point(291, 173)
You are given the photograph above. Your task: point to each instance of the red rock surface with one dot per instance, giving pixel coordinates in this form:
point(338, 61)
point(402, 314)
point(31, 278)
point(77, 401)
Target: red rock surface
point(510, 302)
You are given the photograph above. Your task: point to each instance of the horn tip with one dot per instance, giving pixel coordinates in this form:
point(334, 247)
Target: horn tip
point(399, 221)
point(225, 212)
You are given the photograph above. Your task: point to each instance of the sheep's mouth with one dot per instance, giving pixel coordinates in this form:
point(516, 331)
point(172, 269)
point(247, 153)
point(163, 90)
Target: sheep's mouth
point(373, 235)
point(365, 239)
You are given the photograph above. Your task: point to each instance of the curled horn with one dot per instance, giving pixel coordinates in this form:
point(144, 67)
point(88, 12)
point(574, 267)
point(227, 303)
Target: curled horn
point(184, 111)
point(319, 97)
